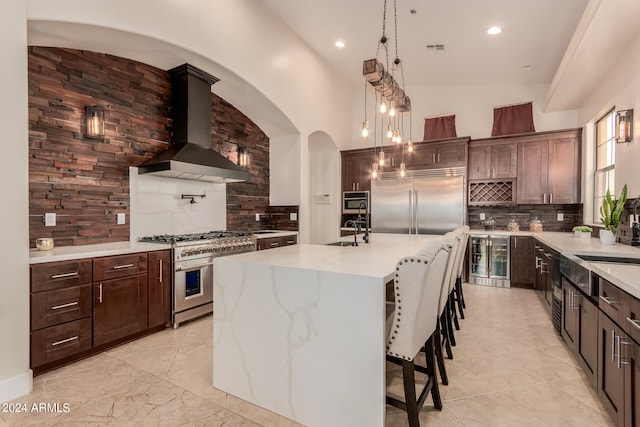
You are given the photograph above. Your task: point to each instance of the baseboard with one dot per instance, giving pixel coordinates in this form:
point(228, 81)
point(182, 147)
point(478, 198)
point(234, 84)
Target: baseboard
point(15, 387)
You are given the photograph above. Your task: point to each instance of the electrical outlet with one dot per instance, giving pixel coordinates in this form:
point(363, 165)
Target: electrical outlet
point(482, 217)
point(633, 219)
point(257, 217)
point(293, 216)
point(121, 218)
point(560, 216)
point(49, 220)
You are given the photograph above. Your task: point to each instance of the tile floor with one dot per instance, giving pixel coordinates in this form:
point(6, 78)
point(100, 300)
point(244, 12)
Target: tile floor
point(510, 368)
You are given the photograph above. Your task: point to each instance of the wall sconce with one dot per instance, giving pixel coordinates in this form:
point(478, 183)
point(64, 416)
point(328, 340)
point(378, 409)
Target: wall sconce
point(95, 122)
point(624, 126)
point(243, 157)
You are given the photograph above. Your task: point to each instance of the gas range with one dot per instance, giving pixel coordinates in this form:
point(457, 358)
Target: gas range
point(211, 243)
point(193, 255)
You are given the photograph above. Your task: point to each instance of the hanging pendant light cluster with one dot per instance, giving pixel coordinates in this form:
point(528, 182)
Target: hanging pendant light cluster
point(394, 102)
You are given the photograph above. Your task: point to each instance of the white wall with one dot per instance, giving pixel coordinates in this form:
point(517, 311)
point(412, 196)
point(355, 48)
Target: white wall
point(472, 105)
point(15, 375)
point(158, 208)
point(284, 170)
point(324, 179)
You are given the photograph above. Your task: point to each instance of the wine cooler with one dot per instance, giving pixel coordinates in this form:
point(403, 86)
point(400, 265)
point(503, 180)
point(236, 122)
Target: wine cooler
point(489, 260)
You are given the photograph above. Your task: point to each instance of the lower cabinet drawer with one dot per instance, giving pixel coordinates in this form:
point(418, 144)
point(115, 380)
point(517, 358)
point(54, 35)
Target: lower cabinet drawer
point(632, 319)
point(56, 342)
point(612, 301)
point(60, 306)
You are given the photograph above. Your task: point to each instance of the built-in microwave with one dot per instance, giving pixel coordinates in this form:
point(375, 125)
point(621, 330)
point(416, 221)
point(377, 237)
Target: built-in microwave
point(351, 201)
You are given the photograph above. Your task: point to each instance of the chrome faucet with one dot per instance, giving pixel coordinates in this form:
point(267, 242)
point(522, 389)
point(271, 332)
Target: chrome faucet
point(635, 227)
point(356, 227)
point(365, 238)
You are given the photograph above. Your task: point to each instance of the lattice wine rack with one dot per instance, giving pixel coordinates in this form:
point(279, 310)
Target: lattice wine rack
point(498, 192)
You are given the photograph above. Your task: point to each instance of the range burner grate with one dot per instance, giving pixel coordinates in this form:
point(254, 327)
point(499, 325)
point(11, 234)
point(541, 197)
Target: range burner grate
point(209, 235)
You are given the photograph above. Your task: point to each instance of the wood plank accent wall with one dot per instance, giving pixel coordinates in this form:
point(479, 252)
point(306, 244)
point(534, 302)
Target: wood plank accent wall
point(85, 181)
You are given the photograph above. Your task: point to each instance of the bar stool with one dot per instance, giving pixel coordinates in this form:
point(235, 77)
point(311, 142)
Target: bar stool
point(449, 340)
point(417, 287)
point(458, 294)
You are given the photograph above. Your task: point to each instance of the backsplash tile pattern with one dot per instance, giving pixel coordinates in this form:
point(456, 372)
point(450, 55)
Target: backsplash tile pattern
point(523, 214)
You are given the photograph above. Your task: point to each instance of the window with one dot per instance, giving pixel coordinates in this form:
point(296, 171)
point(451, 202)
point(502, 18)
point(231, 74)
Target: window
point(604, 176)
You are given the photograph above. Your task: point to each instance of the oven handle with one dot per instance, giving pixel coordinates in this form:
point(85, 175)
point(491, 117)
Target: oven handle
point(192, 267)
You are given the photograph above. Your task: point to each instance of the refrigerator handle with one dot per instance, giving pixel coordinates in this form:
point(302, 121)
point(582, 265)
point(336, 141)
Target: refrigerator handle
point(416, 210)
point(410, 212)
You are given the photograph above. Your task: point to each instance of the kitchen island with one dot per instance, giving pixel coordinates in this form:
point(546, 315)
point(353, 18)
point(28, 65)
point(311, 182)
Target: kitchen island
point(300, 330)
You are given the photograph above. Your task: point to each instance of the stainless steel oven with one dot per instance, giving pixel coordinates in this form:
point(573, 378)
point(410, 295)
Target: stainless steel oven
point(193, 254)
point(351, 201)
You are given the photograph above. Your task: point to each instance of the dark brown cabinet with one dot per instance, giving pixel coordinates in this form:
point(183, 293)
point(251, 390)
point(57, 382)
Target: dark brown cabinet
point(631, 351)
point(493, 161)
point(276, 242)
point(579, 329)
point(611, 372)
point(549, 169)
point(357, 166)
point(438, 154)
point(120, 286)
point(522, 262)
point(60, 311)
point(159, 288)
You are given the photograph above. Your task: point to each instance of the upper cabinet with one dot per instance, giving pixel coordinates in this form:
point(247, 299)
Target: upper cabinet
point(488, 160)
point(356, 169)
point(549, 168)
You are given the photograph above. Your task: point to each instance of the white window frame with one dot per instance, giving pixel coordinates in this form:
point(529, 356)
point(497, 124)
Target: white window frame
point(606, 174)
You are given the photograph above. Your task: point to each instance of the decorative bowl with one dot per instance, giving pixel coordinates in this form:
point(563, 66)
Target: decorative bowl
point(44, 243)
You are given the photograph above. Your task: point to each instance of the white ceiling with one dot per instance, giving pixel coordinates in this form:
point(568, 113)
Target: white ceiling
point(534, 32)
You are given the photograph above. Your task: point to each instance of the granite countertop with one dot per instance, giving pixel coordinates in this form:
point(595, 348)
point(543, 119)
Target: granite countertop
point(66, 253)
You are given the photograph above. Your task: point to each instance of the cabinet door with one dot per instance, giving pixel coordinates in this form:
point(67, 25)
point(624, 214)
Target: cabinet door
point(610, 372)
point(587, 345)
point(450, 155)
point(120, 308)
point(522, 262)
point(365, 167)
point(504, 161)
point(631, 350)
point(424, 156)
point(569, 317)
point(563, 183)
point(350, 167)
point(269, 243)
point(479, 162)
point(159, 288)
point(532, 172)
point(289, 240)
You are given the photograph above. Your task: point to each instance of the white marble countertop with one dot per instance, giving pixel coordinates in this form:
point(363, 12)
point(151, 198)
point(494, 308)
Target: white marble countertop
point(274, 233)
point(375, 259)
point(624, 276)
point(66, 253)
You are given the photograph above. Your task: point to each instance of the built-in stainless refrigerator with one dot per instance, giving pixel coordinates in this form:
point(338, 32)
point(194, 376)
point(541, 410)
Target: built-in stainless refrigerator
point(489, 260)
point(428, 201)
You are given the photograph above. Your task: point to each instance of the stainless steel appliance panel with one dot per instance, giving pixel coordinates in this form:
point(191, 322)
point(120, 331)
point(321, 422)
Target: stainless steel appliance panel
point(391, 206)
point(193, 283)
point(439, 204)
point(423, 202)
point(489, 260)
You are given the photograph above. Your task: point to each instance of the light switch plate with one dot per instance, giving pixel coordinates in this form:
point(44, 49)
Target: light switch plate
point(482, 217)
point(293, 216)
point(560, 216)
point(121, 218)
point(49, 220)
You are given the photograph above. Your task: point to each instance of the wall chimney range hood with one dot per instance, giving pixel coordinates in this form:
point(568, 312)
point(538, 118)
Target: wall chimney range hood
point(190, 155)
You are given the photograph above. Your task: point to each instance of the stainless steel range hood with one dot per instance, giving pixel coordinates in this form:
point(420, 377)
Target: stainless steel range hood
point(190, 155)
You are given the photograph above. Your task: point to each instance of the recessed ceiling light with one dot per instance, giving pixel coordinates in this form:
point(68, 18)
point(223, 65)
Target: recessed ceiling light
point(340, 44)
point(527, 67)
point(494, 30)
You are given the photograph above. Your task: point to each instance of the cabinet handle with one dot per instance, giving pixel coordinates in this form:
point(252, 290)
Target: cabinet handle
point(634, 322)
point(64, 341)
point(357, 186)
point(160, 270)
point(544, 198)
point(60, 276)
point(58, 307)
point(353, 186)
point(100, 293)
point(543, 271)
point(438, 157)
point(289, 242)
point(120, 267)
point(550, 198)
point(433, 158)
point(610, 301)
point(622, 360)
point(274, 244)
point(538, 259)
point(571, 299)
point(613, 346)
